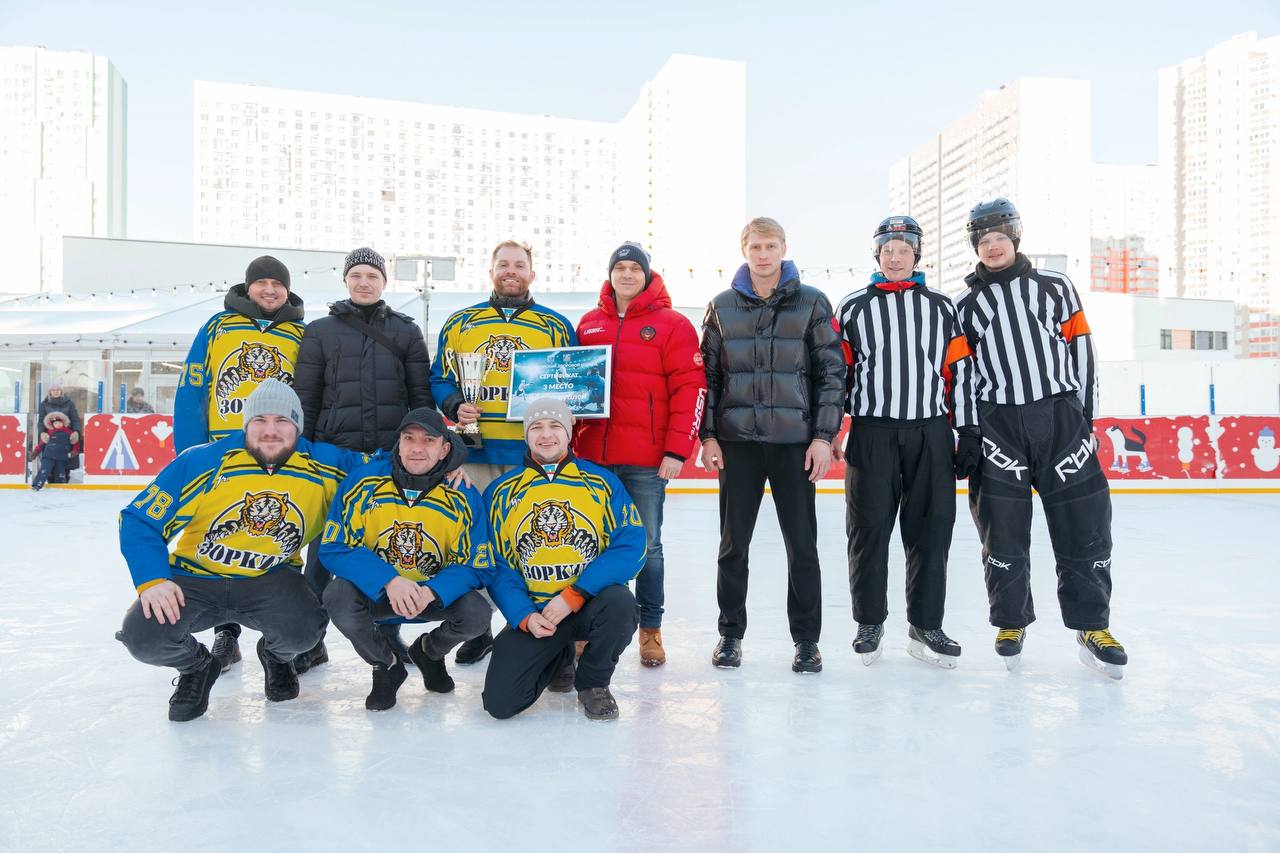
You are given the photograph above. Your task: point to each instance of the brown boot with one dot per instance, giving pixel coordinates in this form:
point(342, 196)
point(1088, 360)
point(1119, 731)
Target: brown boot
point(651, 652)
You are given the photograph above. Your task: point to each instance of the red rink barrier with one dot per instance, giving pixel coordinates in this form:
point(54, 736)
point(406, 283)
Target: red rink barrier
point(1222, 447)
point(13, 445)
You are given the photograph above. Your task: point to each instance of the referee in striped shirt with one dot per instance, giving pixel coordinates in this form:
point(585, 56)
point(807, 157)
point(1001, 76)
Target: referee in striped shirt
point(1037, 395)
point(909, 375)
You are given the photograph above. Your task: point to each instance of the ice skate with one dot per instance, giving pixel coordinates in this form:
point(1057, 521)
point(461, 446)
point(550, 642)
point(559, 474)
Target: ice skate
point(1099, 650)
point(867, 643)
point(1009, 646)
point(933, 646)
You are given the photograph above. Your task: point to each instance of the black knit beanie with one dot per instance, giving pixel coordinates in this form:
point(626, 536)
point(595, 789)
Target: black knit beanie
point(266, 267)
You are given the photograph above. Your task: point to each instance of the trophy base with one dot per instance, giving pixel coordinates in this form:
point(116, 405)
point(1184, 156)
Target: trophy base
point(470, 440)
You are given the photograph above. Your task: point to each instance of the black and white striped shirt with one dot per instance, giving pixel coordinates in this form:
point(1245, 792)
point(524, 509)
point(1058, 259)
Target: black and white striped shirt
point(908, 357)
point(1029, 336)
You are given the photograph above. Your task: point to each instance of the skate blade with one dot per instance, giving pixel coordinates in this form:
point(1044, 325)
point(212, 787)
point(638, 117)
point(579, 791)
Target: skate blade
point(1012, 661)
point(921, 652)
point(1110, 670)
point(869, 658)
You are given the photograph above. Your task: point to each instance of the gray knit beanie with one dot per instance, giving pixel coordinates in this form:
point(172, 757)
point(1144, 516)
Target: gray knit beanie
point(365, 256)
point(273, 397)
point(548, 407)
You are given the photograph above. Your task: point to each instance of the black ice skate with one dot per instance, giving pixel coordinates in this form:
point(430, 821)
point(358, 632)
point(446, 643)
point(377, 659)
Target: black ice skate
point(933, 646)
point(867, 643)
point(1099, 650)
point(1009, 646)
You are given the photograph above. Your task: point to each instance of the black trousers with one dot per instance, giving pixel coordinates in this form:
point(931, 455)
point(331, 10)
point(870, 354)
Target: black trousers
point(747, 466)
point(358, 617)
point(899, 470)
point(278, 604)
point(1046, 445)
point(522, 665)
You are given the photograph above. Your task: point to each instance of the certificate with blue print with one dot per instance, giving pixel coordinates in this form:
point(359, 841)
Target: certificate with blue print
point(580, 376)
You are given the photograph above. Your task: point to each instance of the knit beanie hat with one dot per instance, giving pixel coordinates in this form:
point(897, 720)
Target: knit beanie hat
point(365, 256)
point(273, 397)
point(548, 407)
point(631, 252)
point(266, 267)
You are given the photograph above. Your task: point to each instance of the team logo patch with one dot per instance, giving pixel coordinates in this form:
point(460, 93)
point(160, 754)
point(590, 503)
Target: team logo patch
point(552, 525)
point(261, 515)
point(697, 358)
point(500, 348)
point(648, 333)
point(409, 548)
point(252, 363)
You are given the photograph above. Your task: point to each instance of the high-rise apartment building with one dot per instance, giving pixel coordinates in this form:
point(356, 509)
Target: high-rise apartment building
point(1220, 174)
point(1125, 219)
point(1028, 141)
point(62, 159)
point(311, 170)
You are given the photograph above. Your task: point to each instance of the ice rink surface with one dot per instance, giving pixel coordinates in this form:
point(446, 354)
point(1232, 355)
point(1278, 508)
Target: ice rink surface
point(1183, 754)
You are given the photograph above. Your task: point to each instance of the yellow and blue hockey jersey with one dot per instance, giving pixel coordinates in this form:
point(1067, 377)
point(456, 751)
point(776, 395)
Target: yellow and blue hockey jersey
point(231, 355)
point(437, 537)
point(486, 328)
point(236, 520)
point(576, 527)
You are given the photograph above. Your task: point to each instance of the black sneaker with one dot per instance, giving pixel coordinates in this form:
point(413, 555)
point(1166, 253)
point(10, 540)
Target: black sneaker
point(281, 679)
point(474, 650)
point(434, 674)
point(598, 703)
point(728, 653)
point(312, 659)
point(808, 658)
point(386, 681)
point(191, 698)
point(226, 648)
point(563, 681)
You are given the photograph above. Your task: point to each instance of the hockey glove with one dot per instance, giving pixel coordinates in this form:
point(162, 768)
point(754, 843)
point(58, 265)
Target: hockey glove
point(968, 453)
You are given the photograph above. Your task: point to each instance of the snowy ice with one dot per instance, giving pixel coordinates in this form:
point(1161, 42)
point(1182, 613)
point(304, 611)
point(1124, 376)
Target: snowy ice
point(1183, 754)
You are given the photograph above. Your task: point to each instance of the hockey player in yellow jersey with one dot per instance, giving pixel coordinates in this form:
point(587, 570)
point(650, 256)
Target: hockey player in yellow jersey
point(254, 338)
point(509, 321)
point(406, 546)
point(567, 540)
point(241, 508)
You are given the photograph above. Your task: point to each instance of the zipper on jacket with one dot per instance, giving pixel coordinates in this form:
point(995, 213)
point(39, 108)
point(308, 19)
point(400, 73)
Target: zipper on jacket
point(653, 436)
point(604, 448)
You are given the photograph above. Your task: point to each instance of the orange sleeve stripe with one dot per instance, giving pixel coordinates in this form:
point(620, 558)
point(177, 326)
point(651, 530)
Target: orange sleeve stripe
point(958, 349)
point(524, 624)
point(1075, 327)
point(573, 598)
point(146, 586)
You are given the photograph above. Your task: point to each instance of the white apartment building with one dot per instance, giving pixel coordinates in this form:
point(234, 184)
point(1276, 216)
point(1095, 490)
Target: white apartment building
point(62, 159)
point(1028, 141)
point(1124, 227)
point(311, 170)
point(1219, 160)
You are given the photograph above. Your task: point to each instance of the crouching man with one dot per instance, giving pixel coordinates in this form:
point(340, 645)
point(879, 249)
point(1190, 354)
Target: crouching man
point(244, 506)
point(405, 546)
point(566, 541)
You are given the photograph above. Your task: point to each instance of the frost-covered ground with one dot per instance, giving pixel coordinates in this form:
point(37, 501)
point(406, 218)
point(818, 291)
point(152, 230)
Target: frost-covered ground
point(1183, 754)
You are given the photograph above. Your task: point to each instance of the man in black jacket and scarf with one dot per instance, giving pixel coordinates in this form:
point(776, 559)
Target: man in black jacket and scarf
point(360, 370)
point(775, 387)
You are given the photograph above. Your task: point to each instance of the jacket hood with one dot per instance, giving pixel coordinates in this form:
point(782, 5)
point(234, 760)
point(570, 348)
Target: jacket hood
point(428, 481)
point(981, 276)
point(52, 419)
point(653, 297)
point(788, 281)
point(237, 300)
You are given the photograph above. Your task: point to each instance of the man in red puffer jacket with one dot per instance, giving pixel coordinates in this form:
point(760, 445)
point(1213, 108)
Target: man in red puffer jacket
point(655, 408)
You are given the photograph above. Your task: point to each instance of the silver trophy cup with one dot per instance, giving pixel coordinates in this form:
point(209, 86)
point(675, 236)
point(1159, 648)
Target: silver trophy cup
point(470, 368)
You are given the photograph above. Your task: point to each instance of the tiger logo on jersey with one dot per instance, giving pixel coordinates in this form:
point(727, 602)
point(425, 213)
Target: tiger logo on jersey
point(260, 515)
point(499, 350)
point(253, 362)
point(552, 525)
point(409, 549)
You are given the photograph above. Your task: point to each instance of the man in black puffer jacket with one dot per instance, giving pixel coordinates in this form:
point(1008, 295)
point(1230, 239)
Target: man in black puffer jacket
point(775, 389)
point(359, 371)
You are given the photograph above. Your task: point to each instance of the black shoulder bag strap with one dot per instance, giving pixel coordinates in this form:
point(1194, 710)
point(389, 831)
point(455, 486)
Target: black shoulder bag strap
point(371, 332)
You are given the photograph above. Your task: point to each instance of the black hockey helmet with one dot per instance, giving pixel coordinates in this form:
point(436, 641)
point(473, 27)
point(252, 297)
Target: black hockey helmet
point(996, 215)
point(902, 228)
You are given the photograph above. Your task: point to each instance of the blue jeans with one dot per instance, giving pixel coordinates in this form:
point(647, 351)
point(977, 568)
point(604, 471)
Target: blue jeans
point(647, 491)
